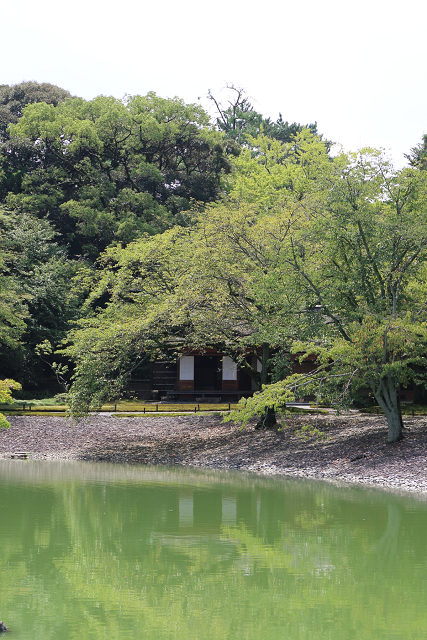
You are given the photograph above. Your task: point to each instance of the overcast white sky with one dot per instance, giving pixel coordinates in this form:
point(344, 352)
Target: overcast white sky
point(358, 68)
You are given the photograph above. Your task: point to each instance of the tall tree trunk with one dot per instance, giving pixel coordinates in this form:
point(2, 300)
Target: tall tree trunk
point(268, 419)
point(387, 396)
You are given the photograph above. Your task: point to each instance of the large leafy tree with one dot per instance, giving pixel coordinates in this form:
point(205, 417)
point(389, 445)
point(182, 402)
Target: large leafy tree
point(360, 263)
point(244, 298)
point(108, 171)
point(14, 98)
point(15, 158)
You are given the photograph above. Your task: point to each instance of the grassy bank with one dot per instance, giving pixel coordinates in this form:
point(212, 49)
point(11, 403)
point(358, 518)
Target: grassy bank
point(407, 410)
point(124, 408)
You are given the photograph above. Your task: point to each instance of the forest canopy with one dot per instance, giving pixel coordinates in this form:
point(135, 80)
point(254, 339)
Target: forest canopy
point(132, 226)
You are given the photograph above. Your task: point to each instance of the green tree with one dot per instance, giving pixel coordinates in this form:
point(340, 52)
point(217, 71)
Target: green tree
point(108, 171)
point(12, 306)
point(15, 158)
point(6, 387)
point(38, 274)
point(360, 263)
point(133, 313)
point(13, 99)
point(237, 118)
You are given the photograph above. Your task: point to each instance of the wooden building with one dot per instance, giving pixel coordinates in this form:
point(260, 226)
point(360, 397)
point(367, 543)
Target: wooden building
point(201, 376)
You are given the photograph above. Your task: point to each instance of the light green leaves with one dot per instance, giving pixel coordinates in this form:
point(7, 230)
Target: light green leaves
point(6, 387)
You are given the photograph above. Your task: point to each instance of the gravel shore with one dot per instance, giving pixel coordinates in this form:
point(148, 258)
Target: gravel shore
point(352, 447)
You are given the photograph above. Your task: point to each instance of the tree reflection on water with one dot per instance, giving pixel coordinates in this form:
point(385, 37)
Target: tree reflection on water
point(95, 551)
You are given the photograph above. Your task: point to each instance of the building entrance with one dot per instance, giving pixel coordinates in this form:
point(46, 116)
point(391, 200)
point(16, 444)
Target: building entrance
point(208, 373)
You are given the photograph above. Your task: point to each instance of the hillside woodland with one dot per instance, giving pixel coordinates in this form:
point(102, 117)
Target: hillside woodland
point(131, 227)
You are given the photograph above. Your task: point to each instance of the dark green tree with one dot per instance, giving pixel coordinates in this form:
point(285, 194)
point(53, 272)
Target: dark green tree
point(40, 301)
point(237, 118)
point(417, 157)
point(108, 171)
point(12, 309)
point(15, 158)
point(14, 98)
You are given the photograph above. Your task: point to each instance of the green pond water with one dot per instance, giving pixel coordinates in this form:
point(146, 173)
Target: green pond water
point(91, 551)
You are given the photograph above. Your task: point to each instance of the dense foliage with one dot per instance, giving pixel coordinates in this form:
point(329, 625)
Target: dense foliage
point(6, 387)
point(154, 229)
point(218, 282)
point(360, 266)
point(14, 98)
point(109, 170)
point(329, 256)
point(77, 176)
point(37, 302)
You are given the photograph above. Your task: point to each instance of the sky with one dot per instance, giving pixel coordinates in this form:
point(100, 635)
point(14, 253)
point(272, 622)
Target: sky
point(358, 69)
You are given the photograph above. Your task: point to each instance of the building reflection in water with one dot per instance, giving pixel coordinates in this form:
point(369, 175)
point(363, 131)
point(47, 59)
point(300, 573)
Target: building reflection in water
point(192, 511)
point(186, 505)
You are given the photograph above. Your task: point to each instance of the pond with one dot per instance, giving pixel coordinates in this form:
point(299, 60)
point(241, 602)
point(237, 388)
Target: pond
point(93, 550)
